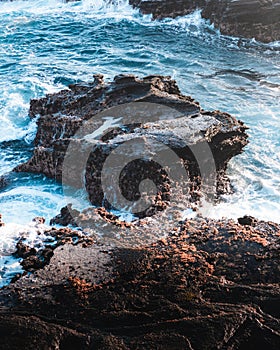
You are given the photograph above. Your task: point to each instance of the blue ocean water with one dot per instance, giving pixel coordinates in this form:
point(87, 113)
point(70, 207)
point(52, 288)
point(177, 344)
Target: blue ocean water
point(45, 45)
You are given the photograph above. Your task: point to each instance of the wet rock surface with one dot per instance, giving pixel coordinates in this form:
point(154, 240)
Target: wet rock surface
point(257, 19)
point(206, 285)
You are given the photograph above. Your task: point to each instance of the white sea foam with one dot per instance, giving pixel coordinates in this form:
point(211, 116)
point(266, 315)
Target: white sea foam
point(21, 204)
point(89, 7)
point(32, 234)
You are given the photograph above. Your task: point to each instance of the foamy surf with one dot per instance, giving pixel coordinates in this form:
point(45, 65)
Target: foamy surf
point(34, 196)
point(86, 7)
point(32, 235)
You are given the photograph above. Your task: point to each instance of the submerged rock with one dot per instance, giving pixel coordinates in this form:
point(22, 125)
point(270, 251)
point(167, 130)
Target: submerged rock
point(250, 19)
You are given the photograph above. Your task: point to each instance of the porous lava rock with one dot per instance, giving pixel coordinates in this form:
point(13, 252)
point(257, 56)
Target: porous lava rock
point(206, 285)
point(181, 126)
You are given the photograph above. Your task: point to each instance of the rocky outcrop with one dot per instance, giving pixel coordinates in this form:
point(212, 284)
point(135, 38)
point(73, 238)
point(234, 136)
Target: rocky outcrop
point(153, 283)
point(207, 284)
point(257, 19)
point(151, 110)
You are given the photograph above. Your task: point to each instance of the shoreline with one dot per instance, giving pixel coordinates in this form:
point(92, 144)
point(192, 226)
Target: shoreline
point(206, 277)
point(138, 175)
point(152, 281)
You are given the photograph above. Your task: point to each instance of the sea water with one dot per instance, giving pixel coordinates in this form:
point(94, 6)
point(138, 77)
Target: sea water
point(46, 45)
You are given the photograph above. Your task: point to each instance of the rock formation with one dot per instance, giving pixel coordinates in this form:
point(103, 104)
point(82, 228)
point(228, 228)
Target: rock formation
point(257, 19)
point(155, 110)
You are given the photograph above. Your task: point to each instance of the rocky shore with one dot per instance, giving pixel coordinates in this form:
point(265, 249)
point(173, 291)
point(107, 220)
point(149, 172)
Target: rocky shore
point(257, 19)
point(206, 285)
point(157, 282)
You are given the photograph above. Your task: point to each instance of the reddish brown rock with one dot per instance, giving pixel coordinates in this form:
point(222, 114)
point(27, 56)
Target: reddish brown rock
point(213, 278)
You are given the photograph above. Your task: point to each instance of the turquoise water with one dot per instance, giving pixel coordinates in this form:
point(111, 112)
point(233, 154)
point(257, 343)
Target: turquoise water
point(45, 45)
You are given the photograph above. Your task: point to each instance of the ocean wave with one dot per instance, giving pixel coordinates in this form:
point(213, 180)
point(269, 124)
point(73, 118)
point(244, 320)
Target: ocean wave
point(86, 7)
point(23, 13)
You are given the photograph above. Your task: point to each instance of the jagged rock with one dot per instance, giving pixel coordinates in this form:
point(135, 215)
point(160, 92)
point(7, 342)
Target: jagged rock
point(33, 258)
point(39, 220)
point(181, 126)
point(213, 278)
point(216, 278)
point(32, 262)
point(167, 8)
point(257, 19)
point(23, 250)
point(65, 217)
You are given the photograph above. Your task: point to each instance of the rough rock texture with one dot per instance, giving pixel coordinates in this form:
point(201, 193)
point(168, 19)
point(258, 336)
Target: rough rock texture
point(33, 258)
point(257, 19)
point(182, 126)
point(154, 283)
point(167, 8)
point(207, 285)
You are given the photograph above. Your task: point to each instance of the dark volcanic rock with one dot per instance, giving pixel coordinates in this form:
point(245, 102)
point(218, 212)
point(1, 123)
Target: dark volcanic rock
point(164, 119)
point(257, 19)
point(3, 182)
point(207, 285)
point(65, 217)
point(62, 114)
point(23, 250)
point(247, 220)
point(36, 258)
point(167, 8)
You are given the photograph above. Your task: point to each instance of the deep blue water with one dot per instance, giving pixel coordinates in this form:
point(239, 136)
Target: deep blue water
point(45, 45)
